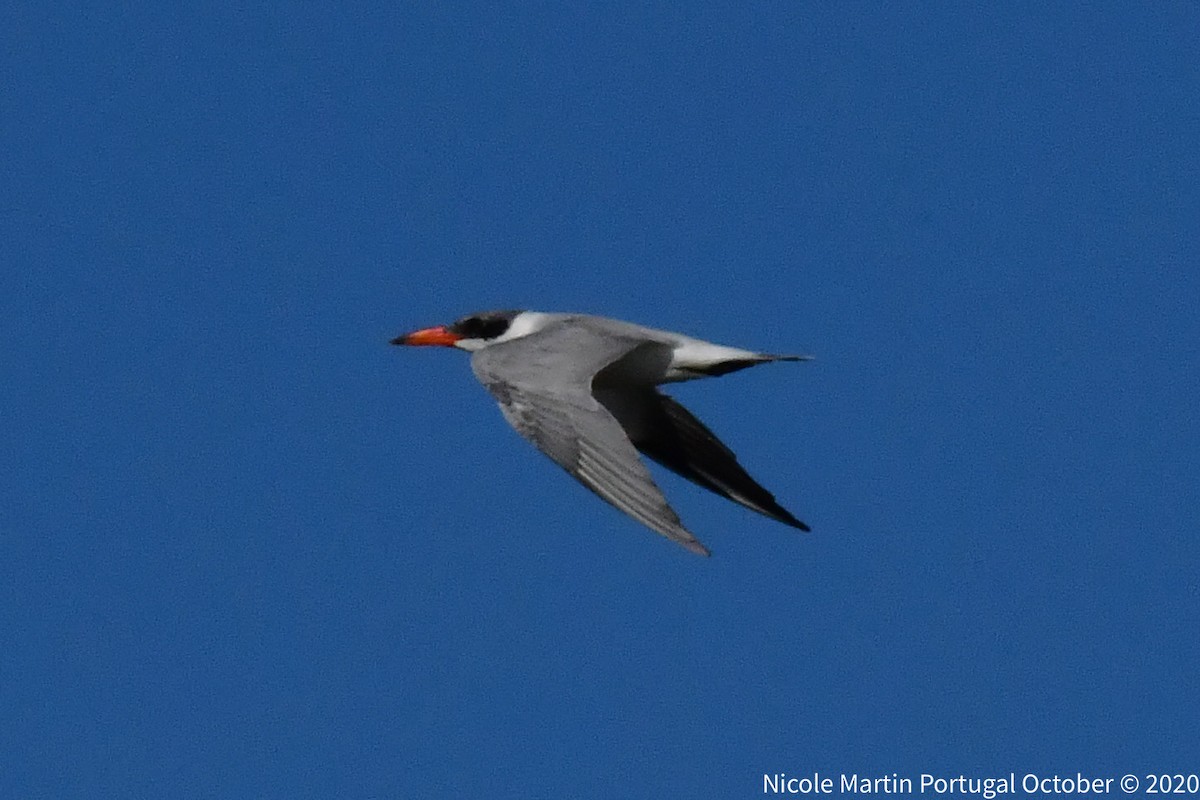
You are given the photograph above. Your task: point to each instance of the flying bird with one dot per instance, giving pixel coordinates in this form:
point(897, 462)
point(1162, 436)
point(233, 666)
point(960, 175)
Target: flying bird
point(581, 388)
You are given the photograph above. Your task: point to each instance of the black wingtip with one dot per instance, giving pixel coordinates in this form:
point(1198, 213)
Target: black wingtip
point(769, 507)
point(772, 509)
point(787, 519)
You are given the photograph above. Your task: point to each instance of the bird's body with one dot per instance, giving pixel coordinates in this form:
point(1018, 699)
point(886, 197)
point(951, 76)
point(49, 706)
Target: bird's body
point(582, 389)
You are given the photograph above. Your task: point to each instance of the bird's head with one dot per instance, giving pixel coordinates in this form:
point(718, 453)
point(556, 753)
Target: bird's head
point(473, 332)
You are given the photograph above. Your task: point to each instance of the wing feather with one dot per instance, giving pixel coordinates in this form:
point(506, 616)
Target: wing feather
point(684, 445)
point(543, 385)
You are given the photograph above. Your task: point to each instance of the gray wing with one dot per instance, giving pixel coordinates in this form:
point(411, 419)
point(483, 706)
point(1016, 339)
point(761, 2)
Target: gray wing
point(543, 385)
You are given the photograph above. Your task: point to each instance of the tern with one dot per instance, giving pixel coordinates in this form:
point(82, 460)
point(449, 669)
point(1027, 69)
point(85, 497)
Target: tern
point(581, 388)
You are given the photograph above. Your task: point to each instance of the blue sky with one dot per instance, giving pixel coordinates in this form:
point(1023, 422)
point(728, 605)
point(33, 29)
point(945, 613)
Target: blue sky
point(249, 550)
